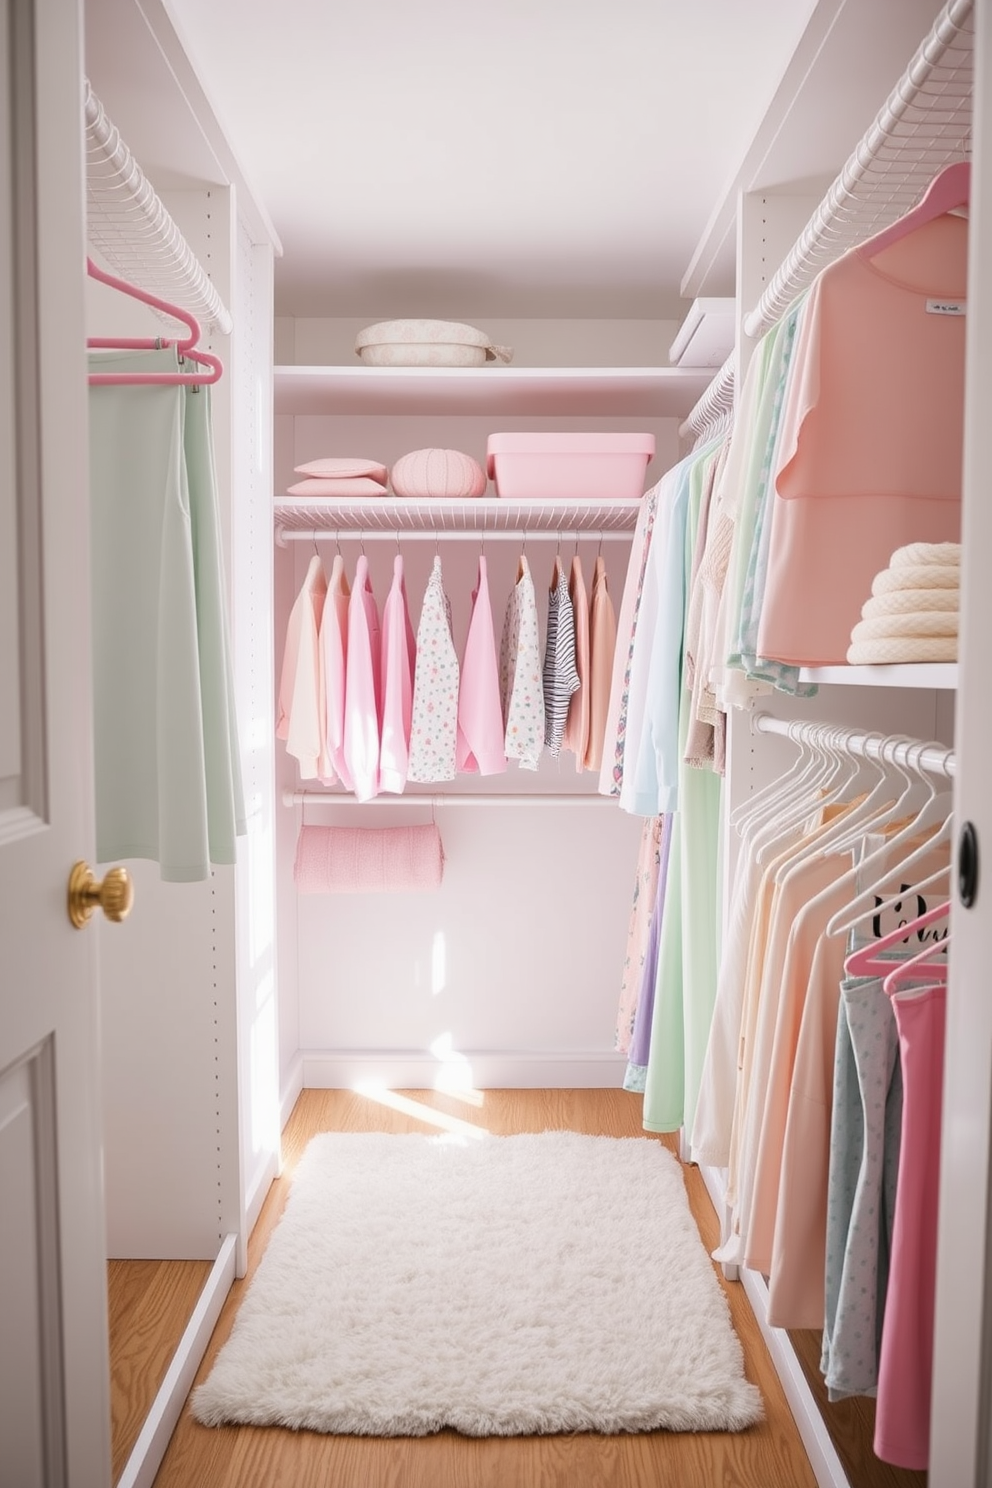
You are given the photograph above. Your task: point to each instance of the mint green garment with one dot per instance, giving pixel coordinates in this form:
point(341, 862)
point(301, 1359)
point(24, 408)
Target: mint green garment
point(167, 769)
point(685, 991)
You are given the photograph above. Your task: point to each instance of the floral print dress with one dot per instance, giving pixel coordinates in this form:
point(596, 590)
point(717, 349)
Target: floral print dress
point(434, 726)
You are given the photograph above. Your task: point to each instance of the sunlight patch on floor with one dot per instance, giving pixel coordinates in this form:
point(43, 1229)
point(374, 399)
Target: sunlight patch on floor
point(421, 1112)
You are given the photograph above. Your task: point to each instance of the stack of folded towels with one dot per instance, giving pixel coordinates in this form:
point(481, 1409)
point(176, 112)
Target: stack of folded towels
point(913, 612)
point(341, 477)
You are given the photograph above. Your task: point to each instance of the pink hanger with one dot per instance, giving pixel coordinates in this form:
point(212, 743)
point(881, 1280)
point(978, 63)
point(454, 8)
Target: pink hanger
point(914, 970)
point(950, 188)
point(186, 348)
point(868, 962)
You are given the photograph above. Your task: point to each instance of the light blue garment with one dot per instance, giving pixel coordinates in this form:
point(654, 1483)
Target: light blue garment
point(635, 702)
point(655, 789)
point(167, 769)
point(769, 419)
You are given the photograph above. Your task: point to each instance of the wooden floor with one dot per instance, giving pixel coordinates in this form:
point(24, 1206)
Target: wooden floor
point(769, 1455)
point(149, 1305)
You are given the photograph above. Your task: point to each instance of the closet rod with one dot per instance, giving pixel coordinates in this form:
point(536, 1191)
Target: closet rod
point(441, 534)
point(893, 749)
point(493, 798)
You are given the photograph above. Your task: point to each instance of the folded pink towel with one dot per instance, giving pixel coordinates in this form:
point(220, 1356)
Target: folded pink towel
point(368, 860)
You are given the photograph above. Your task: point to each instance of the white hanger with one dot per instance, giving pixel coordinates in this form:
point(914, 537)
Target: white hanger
point(824, 790)
point(810, 757)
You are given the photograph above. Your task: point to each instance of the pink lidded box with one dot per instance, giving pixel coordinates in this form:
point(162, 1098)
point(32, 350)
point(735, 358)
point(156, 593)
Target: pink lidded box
point(569, 467)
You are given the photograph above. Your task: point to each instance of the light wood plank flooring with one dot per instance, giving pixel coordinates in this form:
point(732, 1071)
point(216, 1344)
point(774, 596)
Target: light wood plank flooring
point(770, 1455)
point(149, 1305)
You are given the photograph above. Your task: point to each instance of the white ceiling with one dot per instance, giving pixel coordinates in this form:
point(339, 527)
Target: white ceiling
point(510, 158)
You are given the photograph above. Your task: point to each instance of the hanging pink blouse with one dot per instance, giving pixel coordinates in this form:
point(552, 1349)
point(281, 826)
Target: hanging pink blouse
point(602, 648)
point(398, 660)
point(332, 642)
point(480, 714)
point(363, 693)
point(576, 736)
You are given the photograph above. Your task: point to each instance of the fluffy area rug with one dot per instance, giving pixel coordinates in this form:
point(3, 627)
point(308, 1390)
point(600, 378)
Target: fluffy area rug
point(541, 1283)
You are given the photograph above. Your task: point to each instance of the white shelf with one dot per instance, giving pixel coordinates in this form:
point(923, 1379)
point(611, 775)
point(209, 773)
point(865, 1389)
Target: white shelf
point(936, 675)
point(556, 392)
point(486, 513)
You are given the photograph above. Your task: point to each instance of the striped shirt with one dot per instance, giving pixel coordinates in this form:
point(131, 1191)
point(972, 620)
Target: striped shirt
point(561, 678)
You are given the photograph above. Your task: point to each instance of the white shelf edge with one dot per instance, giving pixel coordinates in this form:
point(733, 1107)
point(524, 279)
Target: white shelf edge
point(935, 675)
point(340, 371)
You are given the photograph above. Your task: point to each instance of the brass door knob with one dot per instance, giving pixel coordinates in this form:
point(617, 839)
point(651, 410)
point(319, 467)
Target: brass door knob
point(114, 895)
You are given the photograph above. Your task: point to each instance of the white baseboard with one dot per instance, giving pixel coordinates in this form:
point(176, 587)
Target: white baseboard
point(258, 1189)
point(827, 1466)
point(290, 1091)
point(330, 1069)
point(148, 1451)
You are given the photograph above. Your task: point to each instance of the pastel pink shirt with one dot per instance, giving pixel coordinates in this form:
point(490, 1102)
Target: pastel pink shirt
point(299, 721)
point(399, 652)
point(363, 687)
point(480, 714)
point(332, 643)
point(870, 445)
point(576, 736)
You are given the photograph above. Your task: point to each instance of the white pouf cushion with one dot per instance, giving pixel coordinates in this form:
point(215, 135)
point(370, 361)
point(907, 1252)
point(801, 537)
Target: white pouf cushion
point(427, 343)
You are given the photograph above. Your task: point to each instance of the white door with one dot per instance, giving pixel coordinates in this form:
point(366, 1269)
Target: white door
point(54, 1391)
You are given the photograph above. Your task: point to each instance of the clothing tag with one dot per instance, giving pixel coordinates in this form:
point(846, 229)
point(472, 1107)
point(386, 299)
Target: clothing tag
point(946, 307)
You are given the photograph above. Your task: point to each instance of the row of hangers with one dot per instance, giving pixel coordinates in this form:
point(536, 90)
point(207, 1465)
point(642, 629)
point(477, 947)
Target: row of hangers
point(903, 791)
point(188, 348)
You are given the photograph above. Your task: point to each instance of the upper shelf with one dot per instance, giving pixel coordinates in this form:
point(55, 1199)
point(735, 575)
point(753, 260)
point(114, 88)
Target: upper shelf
point(557, 392)
point(937, 675)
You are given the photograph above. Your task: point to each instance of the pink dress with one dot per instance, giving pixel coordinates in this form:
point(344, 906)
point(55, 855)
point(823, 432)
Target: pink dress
point(332, 642)
point(577, 723)
point(399, 653)
point(902, 1412)
point(363, 686)
point(602, 647)
point(870, 444)
point(480, 713)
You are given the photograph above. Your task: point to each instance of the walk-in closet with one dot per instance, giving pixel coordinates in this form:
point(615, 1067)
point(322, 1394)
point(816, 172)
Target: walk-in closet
point(654, 915)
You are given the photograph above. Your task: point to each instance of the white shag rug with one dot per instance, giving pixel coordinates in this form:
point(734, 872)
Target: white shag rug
point(514, 1285)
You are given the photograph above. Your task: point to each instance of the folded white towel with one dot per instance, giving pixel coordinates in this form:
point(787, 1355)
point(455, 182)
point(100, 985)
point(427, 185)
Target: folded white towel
point(911, 602)
point(916, 553)
point(887, 650)
point(917, 576)
point(921, 623)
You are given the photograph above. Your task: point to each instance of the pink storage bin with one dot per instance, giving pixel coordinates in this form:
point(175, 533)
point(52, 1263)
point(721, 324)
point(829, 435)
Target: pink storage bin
point(569, 467)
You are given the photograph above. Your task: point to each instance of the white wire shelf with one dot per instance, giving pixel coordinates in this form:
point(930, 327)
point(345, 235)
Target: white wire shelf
point(130, 227)
point(389, 515)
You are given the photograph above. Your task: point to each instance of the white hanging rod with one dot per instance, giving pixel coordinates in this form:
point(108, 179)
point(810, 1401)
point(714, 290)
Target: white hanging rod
point(924, 125)
point(130, 226)
point(491, 798)
point(893, 749)
point(451, 534)
point(715, 408)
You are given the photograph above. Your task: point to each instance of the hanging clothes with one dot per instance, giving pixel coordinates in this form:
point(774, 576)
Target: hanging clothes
point(399, 654)
point(561, 679)
point(576, 735)
point(602, 649)
point(615, 728)
point(640, 1039)
point(166, 754)
point(480, 745)
point(300, 722)
point(332, 643)
point(434, 728)
point(521, 688)
point(638, 929)
point(363, 686)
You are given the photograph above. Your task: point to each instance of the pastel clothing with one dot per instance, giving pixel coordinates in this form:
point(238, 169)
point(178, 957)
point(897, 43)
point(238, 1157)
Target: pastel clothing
point(434, 728)
point(861, 1190)
point(902, 1414)
point(521, 686)
point(615, 727)
point(871, 441)
point(602, 649)
point(638, 930)
point(363, 686)
point(299, 721)
point(640, 1040)
point(560, 676)
point(399, 654)
point(480, 713)
point(332, 644)
point(798, 1262)
point(576, 736)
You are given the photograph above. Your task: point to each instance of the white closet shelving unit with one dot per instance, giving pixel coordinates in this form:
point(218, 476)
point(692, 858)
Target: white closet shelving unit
point(923, 125)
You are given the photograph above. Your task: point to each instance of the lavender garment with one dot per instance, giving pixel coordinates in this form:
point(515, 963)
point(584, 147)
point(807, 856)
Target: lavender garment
point(641, 1040)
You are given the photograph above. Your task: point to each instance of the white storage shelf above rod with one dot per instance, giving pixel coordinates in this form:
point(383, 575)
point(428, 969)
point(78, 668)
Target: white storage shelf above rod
point(941, 676)
point(389, 515)
point(562, 392)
